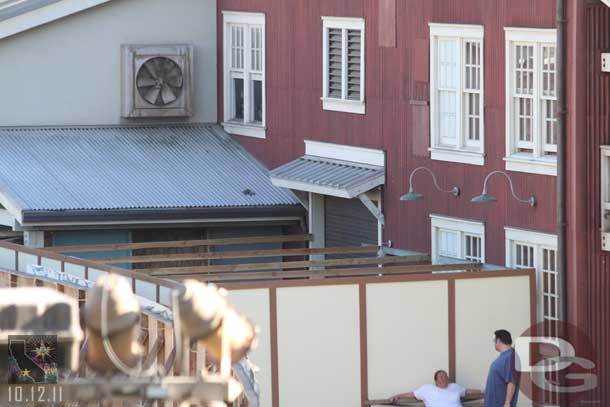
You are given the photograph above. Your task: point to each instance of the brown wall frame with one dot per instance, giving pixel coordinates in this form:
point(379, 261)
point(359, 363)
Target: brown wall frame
point(275, 378)
point(364, 361)
point(451, 331)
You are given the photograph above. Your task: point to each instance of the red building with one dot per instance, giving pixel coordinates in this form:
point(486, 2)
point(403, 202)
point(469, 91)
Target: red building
point(344, 99)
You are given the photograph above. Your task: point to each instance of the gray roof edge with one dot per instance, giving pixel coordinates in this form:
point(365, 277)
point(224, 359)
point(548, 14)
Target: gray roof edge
point(159, 214)
point(17, 8)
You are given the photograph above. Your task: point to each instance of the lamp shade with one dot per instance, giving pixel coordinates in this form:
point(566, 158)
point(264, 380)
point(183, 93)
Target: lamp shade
point(411, 196)
point(484, 198)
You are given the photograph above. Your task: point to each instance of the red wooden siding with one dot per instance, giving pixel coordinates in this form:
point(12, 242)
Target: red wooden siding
point(394, 78)
point(592, 285)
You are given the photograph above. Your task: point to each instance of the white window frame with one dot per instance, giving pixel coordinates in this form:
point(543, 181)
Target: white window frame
point(248, 127)
point(537, 162)
point(464, 227)
point(343, 104)
point(539, 241)
point(464, 151)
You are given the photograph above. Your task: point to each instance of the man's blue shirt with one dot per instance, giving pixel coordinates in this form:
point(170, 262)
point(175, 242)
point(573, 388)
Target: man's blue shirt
point(501, 372)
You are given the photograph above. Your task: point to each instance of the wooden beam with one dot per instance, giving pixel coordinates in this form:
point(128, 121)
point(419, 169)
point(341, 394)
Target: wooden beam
point(180, 243)
point(287, 265)
point(426, 268)
point(239, 254)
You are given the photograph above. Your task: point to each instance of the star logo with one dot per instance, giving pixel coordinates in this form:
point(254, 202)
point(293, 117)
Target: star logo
point(25, 372)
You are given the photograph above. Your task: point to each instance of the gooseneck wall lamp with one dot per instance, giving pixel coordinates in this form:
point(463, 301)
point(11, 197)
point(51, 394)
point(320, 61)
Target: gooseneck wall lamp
point(414, 196)
point(486, 198)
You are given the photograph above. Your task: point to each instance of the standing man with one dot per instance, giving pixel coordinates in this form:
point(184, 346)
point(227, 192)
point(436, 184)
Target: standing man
point(502, 387)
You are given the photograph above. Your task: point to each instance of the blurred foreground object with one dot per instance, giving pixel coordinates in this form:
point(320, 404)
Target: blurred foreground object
point(112, 298)
point(206, 316)
point(40, 312)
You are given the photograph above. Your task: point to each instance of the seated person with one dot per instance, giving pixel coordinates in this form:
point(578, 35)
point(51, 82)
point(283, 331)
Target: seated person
point(440, 394)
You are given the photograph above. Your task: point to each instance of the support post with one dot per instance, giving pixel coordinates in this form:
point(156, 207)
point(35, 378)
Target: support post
point(33, 238)
point(316, 224)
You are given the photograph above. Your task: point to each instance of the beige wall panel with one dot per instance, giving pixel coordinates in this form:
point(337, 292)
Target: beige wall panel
point(407, 335)
point(68, 72)
point(254, 304)
point(318, 346)
point(482, 307)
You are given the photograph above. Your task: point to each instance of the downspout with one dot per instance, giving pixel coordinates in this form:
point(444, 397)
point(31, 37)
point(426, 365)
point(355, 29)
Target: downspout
point(561, 156)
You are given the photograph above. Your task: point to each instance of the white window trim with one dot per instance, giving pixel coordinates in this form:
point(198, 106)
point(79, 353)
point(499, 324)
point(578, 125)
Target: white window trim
point(342, 105)
point(463, 226)
point(516, 161)
point(344, 152)
point(230, 126)
point(604, 178)
point(460, 154)
point(539, 241)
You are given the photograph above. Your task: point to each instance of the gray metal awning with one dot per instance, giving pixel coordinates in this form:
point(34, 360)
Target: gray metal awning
point(343, 179)
point(129, 173)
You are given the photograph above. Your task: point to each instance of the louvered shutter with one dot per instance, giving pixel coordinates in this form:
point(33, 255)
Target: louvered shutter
point(335, 61)
point(354, 54)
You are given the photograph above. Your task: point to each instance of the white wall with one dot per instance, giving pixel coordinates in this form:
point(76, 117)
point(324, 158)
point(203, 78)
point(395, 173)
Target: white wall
point(407, 335)
point(318, 335)
point(67, 72)
point(483, 306)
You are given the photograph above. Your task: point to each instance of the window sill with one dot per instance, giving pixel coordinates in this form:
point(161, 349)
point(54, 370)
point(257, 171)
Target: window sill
point(457, 156)
point(247, 130)
point(526, 163)
point(346, 106)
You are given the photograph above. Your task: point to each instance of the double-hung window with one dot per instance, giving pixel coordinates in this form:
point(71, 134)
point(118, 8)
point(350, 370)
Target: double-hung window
point(244, 73)
point(531, 98)
point(535, 250)
point(454, 238)
point(456, 93)
point(343, 56)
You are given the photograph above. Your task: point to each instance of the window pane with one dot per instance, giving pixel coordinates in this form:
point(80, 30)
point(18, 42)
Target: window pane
point(237, 47)
point(524, 69)
point(472, 250)
point(257, 101)
point(447, 116)
point(447, 61)
point(335, 62)
point(448, 243)
point(256, 44)
point(238, 97)
point(525, 121)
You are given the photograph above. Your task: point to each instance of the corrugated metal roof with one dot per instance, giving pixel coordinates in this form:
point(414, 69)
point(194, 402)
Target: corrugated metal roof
point(97, 168)
point(344, 179)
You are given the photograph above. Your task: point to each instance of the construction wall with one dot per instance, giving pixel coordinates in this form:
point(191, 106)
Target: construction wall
point(337, 342)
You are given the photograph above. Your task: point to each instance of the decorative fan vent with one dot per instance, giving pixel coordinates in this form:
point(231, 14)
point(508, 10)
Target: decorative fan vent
point(159, 81)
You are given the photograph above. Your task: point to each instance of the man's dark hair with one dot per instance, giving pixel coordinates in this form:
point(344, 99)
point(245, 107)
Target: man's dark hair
point(437, 373)
point(504, 336)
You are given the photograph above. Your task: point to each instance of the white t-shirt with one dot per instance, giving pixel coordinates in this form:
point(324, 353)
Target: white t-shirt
point(434, 396)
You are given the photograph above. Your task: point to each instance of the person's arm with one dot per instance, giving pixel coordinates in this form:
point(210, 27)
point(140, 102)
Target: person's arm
point(510, 392)
point(474, 393)
point(403, 397)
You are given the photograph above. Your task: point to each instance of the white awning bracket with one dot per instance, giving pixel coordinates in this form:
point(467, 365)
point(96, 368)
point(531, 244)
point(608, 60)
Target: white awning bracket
point(302, 197)
point(372, 208)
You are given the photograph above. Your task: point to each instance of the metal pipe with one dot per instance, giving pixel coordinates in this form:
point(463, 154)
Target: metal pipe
point(561, 155)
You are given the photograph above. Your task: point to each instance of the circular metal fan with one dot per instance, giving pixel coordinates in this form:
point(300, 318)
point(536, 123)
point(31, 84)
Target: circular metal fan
point(159, 81)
